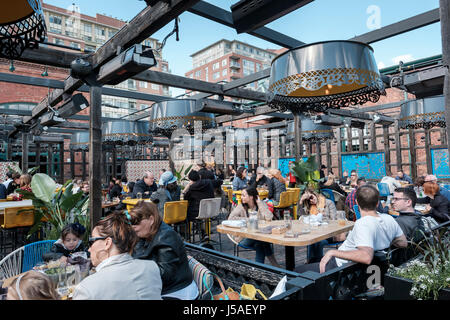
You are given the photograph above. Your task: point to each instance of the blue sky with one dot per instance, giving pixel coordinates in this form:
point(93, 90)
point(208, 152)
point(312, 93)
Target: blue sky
point(320, 20)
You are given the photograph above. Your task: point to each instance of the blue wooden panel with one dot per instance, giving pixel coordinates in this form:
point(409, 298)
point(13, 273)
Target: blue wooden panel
point(440, 163)
point(283, 165)
point(367, 165)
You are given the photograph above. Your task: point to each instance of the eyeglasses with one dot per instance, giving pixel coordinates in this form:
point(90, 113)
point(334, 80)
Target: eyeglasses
point(396, 199)
point(92, 240)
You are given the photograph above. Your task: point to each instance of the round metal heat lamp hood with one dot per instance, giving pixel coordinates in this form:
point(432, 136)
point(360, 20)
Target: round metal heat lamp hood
point(120, 132)
point(310, 131)
point(167, 116)
point(324, 75)
point(423, 113)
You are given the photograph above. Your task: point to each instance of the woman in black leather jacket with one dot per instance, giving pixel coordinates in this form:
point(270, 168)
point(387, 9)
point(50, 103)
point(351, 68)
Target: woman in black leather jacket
point(160, 243)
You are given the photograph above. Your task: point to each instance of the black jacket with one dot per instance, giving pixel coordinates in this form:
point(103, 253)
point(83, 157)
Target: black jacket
point(411, 223)
point(199, 190)
point(206, 174)
point(58, 250)
point(2, 191)
point(11, 188)
point(116, 191)
point(334, 187)
point(141, 186)
point(440, 208)
point(263, 181)
point(168, 251)
point(275, 189)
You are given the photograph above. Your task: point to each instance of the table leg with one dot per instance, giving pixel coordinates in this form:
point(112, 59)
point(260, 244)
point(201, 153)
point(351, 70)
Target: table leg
point(290, 257)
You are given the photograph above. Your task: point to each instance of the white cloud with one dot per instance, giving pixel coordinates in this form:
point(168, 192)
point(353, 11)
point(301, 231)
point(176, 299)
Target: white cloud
point(381, 65)
point(405, 58)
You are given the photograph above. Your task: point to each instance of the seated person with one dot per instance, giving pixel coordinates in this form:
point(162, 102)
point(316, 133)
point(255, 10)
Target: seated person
point(259, 180)
point(204, 171)
point(351, 198)
point(240, 181)
point(372, 232)
point(403, 177)
point(2, 191)
point(439, 206)
point(70, 242)
point(168, 191)
point(197, 190)
point(251, 201)
point(117, 275)
point(409, 219)
point(351, 182)
point(314, 203)
point(14, 184)
point(116, 189)
point(145, 186)
point(330, 183)
point(442, 191)
point(277, 185)
point(32, 285)
point(345, 180)
point(158, 242)
point(391, 182)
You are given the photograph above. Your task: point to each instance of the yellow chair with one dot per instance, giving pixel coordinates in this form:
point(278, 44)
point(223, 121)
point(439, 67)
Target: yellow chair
point(296, 198)
point(238, 194)
point(230, 195)
point(285, 203)
point(175, 213)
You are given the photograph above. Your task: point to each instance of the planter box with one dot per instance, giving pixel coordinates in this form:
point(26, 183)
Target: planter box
point(397, 288)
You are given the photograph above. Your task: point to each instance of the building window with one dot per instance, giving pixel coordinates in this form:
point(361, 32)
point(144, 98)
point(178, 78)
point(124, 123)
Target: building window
point(155, 86)
point(224, 62)
point(99, 32)
point(216, 75)
point(58, 41)
point(198, 73)
point(87, 28)
point(216, 66)
point(143, 84)
point(89, 48)
point(131, 84)
point(111, 33)
point(75, 45)
point(55, 19)
point(206, 74)
point(224, 72)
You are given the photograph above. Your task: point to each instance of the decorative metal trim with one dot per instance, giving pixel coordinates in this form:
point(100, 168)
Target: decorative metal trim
point(323, 103)
point(425, 121)
point(25, 33)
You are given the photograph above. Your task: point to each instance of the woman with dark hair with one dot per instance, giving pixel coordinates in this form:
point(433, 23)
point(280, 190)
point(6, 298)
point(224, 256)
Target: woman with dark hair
point(231, 172)
point(250, 201)
point(439, 206)
point(277, 185)
point(160, 243)
point(117, 275)
point(196, 190)
point(240, 181)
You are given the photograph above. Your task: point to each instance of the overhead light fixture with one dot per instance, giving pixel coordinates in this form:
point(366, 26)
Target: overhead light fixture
point(127, 64)
point(325, 119)
point(381, 119)
point(354, 123)
point(50, 118)
point(249, 15)
point(73, 105)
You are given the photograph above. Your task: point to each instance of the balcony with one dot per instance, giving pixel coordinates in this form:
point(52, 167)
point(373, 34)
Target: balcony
point(235, 65)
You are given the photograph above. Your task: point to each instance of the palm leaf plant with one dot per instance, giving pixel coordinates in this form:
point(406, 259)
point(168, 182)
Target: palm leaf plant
point(182, 174)
point(58, 208)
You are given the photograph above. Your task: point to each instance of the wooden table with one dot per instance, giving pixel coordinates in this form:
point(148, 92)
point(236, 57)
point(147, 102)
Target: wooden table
point(15, 204)
point(317, 234)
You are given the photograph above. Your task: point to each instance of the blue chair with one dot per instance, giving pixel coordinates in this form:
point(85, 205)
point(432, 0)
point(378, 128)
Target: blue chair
point(328, 193)
point(33, 252)
point(446, 186)
point(383, 188)
point(356, 210)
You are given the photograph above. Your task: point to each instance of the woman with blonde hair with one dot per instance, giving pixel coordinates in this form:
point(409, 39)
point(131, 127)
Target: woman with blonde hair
point(24, 184)
point(277, 185)
point(32, 285)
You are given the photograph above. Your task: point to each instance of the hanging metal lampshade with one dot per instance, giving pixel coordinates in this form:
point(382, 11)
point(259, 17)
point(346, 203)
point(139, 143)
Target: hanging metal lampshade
point(311, 131)
point(167, 116)
point(22, 26)
point(324, 75)
point(423, 113)
point(119, 132)
point(79, 141)
point(143, 137)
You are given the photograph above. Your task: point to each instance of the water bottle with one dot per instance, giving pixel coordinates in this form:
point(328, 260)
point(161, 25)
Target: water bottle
point(253, 221)
point(287, 219)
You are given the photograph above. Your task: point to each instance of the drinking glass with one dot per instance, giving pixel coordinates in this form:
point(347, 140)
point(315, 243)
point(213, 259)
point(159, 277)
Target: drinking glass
point(287, 220)
point(341, 218)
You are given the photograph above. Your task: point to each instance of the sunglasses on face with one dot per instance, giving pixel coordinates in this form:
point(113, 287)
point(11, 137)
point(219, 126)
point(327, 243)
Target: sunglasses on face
point(92, 240)
point(396, 199)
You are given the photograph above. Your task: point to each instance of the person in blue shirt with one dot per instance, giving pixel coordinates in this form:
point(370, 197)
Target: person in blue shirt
point(240, 181)
point(403, 177)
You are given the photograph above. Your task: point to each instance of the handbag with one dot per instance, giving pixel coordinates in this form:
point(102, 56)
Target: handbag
point(248, 292)
point(228, 294)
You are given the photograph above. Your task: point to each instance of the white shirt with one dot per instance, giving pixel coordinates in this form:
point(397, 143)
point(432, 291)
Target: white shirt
point(374, 232)
point(392, 183)
point(6, 183)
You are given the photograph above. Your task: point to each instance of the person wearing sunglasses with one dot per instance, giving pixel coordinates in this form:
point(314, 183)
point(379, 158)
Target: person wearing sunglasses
point(160, 243)
point(118, 276)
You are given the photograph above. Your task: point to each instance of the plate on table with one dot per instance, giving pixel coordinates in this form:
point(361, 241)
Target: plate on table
point(234, 223)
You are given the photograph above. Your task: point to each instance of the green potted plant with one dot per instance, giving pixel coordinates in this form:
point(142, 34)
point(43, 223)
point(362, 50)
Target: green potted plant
point(59, 208)
point(306, 173)
point(427, 276)
point(181, 175)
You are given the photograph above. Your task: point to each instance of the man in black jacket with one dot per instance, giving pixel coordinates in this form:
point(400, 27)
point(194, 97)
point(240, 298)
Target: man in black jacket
point(409, 220)
point(259, 180)
point(145, 186)
point(204, 172)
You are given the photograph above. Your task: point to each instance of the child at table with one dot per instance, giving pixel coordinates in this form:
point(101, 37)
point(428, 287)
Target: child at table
point(69, 243)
